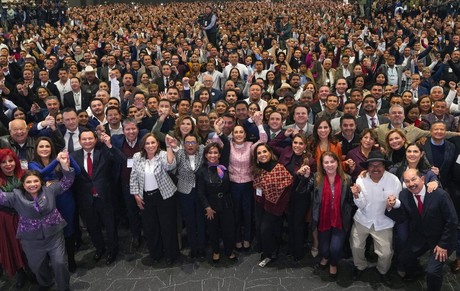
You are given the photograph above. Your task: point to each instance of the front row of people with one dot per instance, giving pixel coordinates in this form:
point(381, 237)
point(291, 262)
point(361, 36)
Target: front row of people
point(425, 217)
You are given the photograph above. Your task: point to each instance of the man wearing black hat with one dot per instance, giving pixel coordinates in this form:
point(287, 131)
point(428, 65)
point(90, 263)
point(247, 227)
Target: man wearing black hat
point(370, 194)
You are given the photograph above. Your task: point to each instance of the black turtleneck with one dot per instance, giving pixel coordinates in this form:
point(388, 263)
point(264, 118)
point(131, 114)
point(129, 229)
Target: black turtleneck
point(269, 165)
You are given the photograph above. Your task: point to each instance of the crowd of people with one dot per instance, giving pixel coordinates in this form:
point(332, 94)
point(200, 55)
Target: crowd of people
point(330, 128)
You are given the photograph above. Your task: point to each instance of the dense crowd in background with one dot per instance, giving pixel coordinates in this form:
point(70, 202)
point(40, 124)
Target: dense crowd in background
point(292, 128)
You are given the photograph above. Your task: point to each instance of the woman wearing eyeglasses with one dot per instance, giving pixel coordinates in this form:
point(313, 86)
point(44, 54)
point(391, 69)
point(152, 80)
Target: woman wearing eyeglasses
point(189, 159)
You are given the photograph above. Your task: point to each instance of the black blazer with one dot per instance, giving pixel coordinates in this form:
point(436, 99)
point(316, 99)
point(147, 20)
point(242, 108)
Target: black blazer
point(449, 160)
point(104, 159)
point(316, 108)
point(70, 102)
point(361, 122)
point(53, 89)
point(161, 83)
point(436, 226)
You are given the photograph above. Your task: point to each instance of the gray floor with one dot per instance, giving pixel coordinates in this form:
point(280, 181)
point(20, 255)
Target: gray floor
point(128, 273)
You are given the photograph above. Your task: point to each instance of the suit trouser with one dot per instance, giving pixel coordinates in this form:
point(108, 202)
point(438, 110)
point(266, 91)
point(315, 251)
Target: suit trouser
point(193, 215)
point(270, 231)
point(383, 240)
point(41, 252)
point(159, 222)
point(132, 210)
point(242, 195)
point(95, 216)
point(454, 191)
point(298, 206)
point(408, 263)
point(223, 223)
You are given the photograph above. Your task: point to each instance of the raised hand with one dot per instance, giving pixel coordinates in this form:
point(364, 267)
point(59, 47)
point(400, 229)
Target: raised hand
point(219, 125)
point(355, 189)
point(391, 201)
point(257, 117)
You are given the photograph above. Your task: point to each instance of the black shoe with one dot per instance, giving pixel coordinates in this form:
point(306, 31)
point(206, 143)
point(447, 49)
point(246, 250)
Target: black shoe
point(43, 288)
point(318, 268)
point(410, 277)
point(136, 242)
point(170, 262)
point(78, 243)
point(333, 277)
point(110, 258)
point(21, 279)
point(201, 255)
point(357, 273)
point(98, 255)
point(386, 280)
point(233, 258)
point(149, 261)
point(72, 266)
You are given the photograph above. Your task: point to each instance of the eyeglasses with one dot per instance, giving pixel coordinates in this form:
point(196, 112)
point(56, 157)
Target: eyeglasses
point(190, 143)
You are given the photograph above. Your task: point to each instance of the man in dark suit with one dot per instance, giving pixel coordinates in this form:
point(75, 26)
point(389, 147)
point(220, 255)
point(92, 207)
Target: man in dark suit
point(103, 72)
point(43, 75)
point(128, 143)
point(274, 125)
point(440, 152)
point(76, 98)
point(432, 227)
point(417, 90)
point(95, 201)
point(52, 69)
point(454, 191)
point(369, 118)
point(319, 106)
point(440, 112)
point(167, 79)
point(382, 105)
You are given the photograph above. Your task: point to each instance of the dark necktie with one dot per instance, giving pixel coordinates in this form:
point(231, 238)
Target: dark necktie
point(341, 101)
point(420, 204)
point(167, 82)
point(70, 147)
point(373, 124)
point(272, 136)
point(89, 163)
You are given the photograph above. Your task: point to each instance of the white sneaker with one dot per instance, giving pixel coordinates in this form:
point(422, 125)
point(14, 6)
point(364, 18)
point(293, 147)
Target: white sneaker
point(264, 262)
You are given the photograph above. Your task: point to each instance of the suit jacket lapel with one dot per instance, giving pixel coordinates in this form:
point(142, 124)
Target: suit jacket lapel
point(411, 203)
point(426, 202)
point(96, 159)
point(81, 162)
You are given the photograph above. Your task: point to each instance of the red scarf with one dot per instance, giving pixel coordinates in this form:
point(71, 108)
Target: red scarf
point(330, 212)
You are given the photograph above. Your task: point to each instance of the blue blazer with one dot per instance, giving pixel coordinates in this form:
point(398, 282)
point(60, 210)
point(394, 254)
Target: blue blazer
point(117, 141)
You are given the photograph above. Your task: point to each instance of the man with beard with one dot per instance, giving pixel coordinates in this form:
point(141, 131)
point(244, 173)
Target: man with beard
point(294, 81)
point(203, 127)
point(370, 118)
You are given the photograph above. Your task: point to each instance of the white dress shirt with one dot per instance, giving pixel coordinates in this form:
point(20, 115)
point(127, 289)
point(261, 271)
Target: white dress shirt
point(372, 201)
point(76, 142)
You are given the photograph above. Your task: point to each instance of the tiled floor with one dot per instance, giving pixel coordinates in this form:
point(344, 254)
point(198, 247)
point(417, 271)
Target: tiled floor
point(128, 273)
